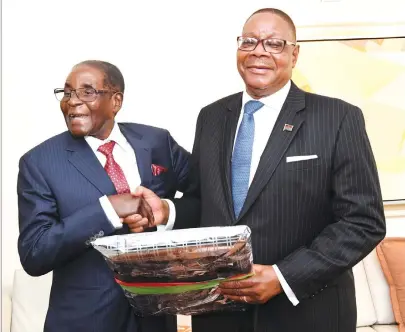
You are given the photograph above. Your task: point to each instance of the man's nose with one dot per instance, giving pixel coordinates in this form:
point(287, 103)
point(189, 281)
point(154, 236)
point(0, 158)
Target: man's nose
point(259, 50)
point(74, 100)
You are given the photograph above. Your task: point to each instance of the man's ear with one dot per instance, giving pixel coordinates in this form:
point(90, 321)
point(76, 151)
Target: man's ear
point(117, 100)
point(295, 53)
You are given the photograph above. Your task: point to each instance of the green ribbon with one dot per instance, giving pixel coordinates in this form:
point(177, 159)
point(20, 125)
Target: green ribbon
point(193, 286)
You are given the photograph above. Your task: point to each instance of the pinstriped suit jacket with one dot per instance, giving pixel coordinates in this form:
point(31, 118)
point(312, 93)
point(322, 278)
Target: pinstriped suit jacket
point(59, 185)
point(315, 218)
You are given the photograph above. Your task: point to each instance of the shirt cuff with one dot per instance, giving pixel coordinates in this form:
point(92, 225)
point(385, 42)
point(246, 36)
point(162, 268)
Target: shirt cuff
point(172, 217)
point(110, 213)
point(286, 288)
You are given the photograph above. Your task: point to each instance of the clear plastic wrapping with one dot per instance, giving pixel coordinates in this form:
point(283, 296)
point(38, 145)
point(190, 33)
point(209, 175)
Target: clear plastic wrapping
point(177, 272)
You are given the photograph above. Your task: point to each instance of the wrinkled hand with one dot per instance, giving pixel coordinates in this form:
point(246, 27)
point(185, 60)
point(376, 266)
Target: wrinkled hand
point(126, 205)
point(160, 210)
point(259, 288)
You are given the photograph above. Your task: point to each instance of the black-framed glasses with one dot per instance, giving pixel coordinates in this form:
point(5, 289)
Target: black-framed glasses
point(84, 94)
point(271, 45)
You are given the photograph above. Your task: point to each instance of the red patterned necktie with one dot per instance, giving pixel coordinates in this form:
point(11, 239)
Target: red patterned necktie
point(114, 170)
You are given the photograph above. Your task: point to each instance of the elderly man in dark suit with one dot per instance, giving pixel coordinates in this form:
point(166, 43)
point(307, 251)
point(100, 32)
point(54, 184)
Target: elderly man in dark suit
point(77, 186)
point(298, 169)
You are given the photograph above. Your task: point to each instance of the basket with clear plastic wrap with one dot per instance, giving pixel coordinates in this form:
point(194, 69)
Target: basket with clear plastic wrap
point(178, 272)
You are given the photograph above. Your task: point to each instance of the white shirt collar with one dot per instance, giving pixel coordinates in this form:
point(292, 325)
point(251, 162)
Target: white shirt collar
point(116, 135)
point(274, 101)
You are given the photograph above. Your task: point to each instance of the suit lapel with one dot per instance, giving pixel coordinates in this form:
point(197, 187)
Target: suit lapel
point(143, 153)
point(86, 162)
point(277, 144)
point(231, 121)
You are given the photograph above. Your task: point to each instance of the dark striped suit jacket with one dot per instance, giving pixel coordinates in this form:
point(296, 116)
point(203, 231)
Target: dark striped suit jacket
point(315, 218)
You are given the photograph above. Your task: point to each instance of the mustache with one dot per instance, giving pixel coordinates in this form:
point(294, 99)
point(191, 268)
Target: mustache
point(259, 63)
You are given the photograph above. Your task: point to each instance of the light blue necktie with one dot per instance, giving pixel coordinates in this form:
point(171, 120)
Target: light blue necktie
point(242, 155)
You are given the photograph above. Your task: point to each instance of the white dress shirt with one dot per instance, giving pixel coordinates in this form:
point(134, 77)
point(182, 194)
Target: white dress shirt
point(124, 155)
point(265, 119)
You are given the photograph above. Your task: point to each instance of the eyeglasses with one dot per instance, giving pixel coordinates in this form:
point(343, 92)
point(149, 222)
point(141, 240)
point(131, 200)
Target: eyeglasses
point(271, 45)
point(84, 94)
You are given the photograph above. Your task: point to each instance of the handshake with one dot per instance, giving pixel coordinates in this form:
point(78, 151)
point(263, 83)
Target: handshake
point(140, 210)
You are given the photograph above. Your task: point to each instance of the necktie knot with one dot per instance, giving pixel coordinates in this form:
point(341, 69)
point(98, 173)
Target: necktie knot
point(252, 106)
point(107, 148)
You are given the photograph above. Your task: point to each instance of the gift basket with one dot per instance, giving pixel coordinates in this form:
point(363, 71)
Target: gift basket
point(177, 272)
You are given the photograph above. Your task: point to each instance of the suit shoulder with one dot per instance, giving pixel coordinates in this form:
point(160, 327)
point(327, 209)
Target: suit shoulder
point(332, 107)
point(55, 143)
point(332, 103)
point(223, 102)
point(220, 103)
point(145, 130)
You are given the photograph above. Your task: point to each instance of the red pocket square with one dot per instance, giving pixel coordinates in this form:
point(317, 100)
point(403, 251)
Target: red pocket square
point(157, 170)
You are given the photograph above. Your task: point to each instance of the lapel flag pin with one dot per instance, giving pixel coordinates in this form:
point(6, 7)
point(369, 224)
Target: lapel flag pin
point(288, 127)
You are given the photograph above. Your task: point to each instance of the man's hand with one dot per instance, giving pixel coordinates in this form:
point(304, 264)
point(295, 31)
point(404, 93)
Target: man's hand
point(126, 205)
point(259, 288)
point(160, 209)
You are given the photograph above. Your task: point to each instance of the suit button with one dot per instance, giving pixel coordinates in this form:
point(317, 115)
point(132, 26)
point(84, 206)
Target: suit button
point(101, 233)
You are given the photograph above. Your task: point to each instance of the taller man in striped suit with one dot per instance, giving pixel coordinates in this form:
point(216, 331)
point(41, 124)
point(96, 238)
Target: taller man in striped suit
point(298, 169)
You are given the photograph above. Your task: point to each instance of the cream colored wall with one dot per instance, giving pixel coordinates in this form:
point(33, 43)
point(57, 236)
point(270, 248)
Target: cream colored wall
point(41, 41)
point(395, 216)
